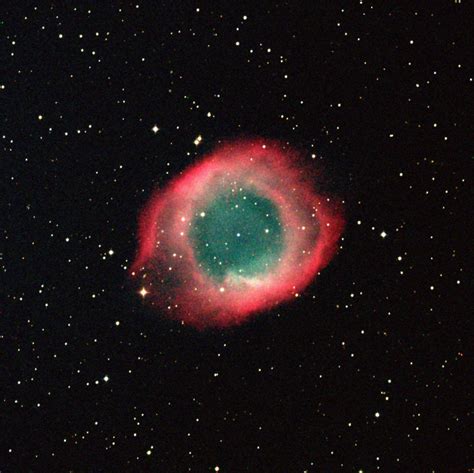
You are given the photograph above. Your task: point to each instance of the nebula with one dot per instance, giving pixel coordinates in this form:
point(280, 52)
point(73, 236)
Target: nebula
point(237, 233)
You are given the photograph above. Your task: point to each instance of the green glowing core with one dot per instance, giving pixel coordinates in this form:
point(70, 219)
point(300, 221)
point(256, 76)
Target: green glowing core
point(238, 233)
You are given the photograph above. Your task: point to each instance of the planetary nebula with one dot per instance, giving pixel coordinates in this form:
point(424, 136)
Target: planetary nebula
point(237, 233)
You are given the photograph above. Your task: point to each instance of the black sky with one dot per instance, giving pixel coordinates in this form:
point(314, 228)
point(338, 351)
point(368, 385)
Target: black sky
point(368, 370)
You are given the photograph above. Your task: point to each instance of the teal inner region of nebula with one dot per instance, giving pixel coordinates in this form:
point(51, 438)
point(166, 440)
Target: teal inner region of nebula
point(239, 233)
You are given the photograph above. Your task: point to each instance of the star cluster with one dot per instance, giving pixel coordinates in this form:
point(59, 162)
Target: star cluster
point(366, 369)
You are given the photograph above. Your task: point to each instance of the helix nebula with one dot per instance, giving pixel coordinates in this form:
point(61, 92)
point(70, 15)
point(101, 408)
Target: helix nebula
point(237, 233)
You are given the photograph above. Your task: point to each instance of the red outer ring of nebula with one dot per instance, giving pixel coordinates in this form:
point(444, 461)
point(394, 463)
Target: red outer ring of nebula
point(165, 265)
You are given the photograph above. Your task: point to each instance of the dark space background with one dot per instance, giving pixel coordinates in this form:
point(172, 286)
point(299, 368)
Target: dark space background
point(369, 370)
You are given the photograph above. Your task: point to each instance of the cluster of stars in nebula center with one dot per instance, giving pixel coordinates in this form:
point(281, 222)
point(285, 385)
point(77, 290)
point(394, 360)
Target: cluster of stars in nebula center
point(239, 232)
